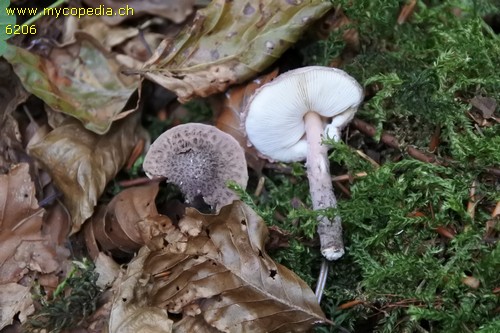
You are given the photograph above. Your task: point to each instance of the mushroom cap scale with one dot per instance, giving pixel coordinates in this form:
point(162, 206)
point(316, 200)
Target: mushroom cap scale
point(199, 159)
point(274, 120)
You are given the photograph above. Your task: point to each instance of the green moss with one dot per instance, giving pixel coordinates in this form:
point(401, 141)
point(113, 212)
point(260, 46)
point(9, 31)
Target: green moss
point(419, 76)
point(71, 303)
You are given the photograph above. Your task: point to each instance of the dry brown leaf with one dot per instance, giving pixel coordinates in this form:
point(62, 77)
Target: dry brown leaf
point(224, 275)
point(107, 269)
point(15, 299)
point(230, 42)
point(229, 120)
point(175, 10)
point(131, 311)
point(81, 162)
point(23, 247)
point(115, 225)
point(20, 220)
point(483, 111)
point(107, 36)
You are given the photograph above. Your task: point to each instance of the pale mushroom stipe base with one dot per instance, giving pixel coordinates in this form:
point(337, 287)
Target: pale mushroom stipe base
point(199, 159)
point(287, 120)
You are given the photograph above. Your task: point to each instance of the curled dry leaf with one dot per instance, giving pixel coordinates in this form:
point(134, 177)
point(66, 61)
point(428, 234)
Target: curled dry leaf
point(131, 311)
point(81, 162)
point(114, 227)
point(14, 300)
point(223, 274)
point(229, 120)
point(107, 36)
point(81, 80)
point(229, 42)
point(175, 10)
point(23, 247)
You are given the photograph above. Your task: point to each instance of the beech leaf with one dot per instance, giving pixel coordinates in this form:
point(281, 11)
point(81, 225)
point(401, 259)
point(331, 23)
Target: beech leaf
point(23, 247)
point(115, 226)
point(131, 312)
point(15, 299)
point(220, 271)
point(230, 42)
point(80, 79)
point(81, 162)
point(230, 119)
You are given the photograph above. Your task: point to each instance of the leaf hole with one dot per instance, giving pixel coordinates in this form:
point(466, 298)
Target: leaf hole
point(243, 221)
point(272, 273)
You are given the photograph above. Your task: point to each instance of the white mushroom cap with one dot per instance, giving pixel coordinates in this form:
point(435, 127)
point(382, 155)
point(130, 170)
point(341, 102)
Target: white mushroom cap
point(199, 159)
point(275, 114)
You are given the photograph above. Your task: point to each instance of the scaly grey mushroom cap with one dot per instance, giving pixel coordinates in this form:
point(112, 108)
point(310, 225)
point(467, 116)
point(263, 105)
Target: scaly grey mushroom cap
point(199, 159)
point(275, 114)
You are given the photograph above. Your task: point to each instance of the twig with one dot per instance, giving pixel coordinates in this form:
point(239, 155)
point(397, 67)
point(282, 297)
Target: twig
point(368, 158)
point(260, 186)
point(350, 304)
point(348, 177)
point(344, 189)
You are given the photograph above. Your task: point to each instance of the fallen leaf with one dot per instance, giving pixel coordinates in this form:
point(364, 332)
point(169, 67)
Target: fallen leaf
point(471, 282)
point(229, 120)
point(115, 227)
point(81, 162)
point(23, 247)
point(15, 299)
point(131, 311)
point(107, 269)
point(228, 43)
point(81, 80)
point(20, 218)
point(224, 275)
point(485, 105)
point(107, 36)
point(175, 10)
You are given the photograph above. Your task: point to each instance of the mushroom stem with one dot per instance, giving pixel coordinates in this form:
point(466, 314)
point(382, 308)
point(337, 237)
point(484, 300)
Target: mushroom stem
point(321, 188)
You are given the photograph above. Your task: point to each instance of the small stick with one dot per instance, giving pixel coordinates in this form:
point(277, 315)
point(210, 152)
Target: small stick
point(260, 186)
point(348, 177)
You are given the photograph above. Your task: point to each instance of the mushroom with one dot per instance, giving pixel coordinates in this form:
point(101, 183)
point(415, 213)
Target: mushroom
point(199, 159)
point(287, 119)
